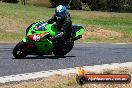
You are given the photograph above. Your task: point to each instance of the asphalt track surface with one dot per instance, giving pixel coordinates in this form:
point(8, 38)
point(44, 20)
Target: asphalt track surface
point(81, 55)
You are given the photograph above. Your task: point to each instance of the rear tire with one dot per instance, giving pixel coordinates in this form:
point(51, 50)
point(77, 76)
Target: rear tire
point(18, 51)
point(63, 48)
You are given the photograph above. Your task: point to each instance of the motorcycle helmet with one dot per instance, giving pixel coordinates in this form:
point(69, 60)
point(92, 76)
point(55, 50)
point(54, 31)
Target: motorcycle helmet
point(60, 10)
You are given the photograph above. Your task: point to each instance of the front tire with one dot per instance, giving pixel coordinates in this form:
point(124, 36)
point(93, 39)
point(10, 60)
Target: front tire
point(63, 48)
point(18, 51)
point(81, 80)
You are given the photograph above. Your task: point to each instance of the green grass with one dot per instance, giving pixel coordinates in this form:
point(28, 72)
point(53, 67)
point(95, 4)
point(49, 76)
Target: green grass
point(69, 81)
point(25, 15)
point(114, 21)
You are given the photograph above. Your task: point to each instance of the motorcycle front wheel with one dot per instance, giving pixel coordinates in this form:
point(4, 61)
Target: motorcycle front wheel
point(18, 51)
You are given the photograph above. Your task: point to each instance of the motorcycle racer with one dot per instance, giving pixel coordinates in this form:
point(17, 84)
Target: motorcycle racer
point(63, 22)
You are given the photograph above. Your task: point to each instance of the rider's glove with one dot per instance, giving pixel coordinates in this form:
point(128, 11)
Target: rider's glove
point(55, 38)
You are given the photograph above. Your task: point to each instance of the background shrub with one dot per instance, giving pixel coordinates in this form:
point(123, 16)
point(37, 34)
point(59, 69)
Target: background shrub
point(55, 3)
point(110, 5)
point(75, 5)
point(10, 1)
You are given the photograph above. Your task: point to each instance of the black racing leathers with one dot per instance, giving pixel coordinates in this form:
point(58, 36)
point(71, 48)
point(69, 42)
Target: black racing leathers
point(62, 23)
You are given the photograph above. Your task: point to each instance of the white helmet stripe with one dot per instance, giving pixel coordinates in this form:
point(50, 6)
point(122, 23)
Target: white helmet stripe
point(59, 8)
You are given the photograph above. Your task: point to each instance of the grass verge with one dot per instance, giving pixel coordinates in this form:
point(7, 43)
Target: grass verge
point(69, 81)
point(15, 18)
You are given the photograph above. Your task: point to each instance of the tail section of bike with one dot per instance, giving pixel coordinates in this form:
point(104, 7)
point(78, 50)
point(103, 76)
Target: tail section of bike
point(77, 32)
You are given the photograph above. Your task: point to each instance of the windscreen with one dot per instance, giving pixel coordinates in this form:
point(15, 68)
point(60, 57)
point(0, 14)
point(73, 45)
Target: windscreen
point(40, 26)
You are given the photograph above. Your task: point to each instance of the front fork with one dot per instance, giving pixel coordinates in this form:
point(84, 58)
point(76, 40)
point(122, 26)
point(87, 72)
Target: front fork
point(29, 45)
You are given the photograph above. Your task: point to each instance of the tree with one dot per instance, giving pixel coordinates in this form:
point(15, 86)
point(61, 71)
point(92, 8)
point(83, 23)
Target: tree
point(23, 2)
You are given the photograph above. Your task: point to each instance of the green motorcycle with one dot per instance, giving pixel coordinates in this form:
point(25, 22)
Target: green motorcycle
point(37, 40)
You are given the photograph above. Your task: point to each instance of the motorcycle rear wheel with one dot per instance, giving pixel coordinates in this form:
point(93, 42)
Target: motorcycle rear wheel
point(63, 48)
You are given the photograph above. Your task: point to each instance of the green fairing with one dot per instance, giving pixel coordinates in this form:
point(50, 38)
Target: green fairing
point(26, 40)
point(45, 45)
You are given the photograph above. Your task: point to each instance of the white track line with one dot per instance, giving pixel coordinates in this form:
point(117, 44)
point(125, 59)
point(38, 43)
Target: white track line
point(35, 75)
